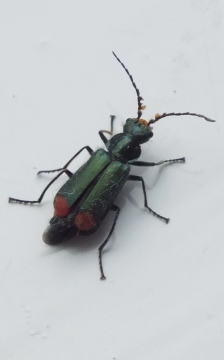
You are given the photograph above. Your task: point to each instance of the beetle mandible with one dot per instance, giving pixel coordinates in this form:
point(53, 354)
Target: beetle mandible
point(84, 200)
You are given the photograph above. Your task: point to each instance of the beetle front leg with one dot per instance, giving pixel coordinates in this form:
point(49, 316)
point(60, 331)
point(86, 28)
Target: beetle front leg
point(117, 209)
point(101, 132)
point(139, 178)
point(145, 163)
point(88, 148)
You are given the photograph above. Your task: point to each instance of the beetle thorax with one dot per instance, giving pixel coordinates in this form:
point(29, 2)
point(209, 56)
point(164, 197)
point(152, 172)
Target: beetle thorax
point(124, 147)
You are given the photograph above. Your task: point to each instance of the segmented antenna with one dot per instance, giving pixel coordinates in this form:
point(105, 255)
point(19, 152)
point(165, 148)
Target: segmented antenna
point(139, 98)
point(158, 116)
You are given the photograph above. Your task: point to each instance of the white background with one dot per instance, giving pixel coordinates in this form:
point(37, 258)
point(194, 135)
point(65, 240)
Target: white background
point(59, 82)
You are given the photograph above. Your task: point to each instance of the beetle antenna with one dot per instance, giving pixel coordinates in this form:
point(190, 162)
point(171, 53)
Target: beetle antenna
point(139, 98)
point(158, 116)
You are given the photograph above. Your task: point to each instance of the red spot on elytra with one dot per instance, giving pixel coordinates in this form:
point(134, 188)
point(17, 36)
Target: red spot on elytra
point(61, 206)
point(85, 221)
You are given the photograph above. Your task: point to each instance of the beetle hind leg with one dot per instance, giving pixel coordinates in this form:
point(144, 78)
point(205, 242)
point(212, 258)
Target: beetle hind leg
point(117, 209)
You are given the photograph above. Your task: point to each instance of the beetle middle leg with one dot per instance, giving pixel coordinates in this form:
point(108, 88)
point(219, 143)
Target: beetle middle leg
point(63, 170)
point(145, 163)
point(117, 209)
point(139, 178)
point(88, 148)
point(38, 201)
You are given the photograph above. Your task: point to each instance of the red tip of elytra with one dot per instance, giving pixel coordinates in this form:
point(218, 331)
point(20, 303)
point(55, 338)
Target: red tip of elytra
point(85, 221)
point(61, 206)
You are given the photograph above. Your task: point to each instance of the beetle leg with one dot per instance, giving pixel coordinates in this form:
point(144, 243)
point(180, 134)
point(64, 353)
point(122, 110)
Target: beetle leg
point(112, 118)
point(90, 151)
point(144, 163)
point(139, 178)
point(101, 132)
point(117, 209)
point(38, 201)
point(103, 137)
point(68, 172)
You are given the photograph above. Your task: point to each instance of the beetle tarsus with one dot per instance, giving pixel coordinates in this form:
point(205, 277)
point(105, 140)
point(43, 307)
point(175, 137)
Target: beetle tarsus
point(175, 160)
point(117, 209)
point(48, 171)
point(158, 216)
point(24, 202)
point(103, 277)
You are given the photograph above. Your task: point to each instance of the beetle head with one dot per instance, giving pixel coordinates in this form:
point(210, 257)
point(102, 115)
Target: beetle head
point(139, 128)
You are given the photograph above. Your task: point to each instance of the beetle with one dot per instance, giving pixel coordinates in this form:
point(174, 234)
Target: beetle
point(88, 195)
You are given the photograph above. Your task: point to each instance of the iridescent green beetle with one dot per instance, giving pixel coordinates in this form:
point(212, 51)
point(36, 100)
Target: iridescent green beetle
point(84, 200)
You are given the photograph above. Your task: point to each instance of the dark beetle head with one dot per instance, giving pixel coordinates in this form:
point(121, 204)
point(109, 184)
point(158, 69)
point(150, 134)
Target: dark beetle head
point(139, 128)
point(58, 231)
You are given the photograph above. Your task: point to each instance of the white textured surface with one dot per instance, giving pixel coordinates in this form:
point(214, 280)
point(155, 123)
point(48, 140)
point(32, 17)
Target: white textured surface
point(163, 298)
